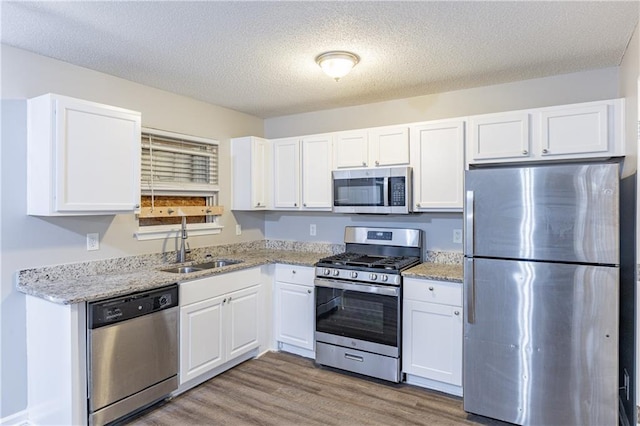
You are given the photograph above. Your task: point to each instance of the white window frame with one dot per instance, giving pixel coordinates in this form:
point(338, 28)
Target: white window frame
point(212, 226)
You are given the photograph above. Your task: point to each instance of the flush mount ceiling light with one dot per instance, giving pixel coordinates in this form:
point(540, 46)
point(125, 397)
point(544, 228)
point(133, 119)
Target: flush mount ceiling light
point(336, 64)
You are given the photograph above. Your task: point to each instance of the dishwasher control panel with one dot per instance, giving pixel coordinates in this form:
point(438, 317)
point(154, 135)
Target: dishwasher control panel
point(122, 308)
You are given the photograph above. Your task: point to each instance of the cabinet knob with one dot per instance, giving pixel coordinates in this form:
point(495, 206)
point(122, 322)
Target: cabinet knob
point(137, 206)
point(229, 299)
point(525, 152)
point(364, 164)
point(309, 291)
point(545, 151)
point(224, 301)
point(294, 271)
point(295, 204)
point(304, 205)
point(377, 163)
point(430, 288)
point(418, 205)
point(456, 313)
point(258, 204)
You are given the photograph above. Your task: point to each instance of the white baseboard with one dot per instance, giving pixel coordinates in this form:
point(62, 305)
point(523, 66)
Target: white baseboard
point(21, 418)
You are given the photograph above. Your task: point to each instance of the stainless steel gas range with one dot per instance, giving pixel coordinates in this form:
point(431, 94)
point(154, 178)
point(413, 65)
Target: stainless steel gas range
point(358, 301)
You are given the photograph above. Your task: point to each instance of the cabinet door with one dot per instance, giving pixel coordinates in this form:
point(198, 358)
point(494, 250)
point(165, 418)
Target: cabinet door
point(295, 314)
point(241, 321)
point(286, 173)
point(316, 172)
point(574, 130)
point(352, 149)
point(439, 172)
point(499, 136)
point(260, 168)
point(83, 157)
point(201, 337)
point(389, 146)
point(432, 341)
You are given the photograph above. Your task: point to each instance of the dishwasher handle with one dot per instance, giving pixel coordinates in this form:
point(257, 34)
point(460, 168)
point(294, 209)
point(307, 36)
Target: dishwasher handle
point(122, 308)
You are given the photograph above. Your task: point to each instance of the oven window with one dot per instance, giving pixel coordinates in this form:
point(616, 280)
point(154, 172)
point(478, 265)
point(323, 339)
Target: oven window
point(363, 316)
point(358, 192)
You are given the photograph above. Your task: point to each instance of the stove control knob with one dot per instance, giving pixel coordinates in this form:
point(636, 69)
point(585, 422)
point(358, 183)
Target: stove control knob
point(336, 272)
point(384, 278)
point(326, 271)
point(354, 274)
point(373, 277)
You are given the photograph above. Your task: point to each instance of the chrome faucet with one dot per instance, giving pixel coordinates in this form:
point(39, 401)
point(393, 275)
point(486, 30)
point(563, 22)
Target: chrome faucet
point(182, 254)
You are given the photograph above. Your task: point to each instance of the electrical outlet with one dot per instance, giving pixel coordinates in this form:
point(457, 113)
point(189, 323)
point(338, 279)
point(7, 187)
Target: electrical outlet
point(457, 236)
point(312, 229)
point(238, 229)
point(93, 241)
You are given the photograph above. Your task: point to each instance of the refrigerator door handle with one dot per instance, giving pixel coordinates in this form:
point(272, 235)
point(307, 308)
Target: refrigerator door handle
point(468, 224)
point(470, 291)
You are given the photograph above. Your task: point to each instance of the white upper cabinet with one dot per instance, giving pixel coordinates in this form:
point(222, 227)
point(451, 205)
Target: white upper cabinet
point(352, 149)
point(380, 146)
point(83, 158)
point(317, 163)
point(286, 173)
point(251, 170)
point(587, 130)
point(438, 171)
point(389, 146)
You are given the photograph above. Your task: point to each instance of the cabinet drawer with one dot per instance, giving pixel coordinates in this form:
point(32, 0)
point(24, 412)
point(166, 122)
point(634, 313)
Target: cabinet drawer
point(217, 285)
point(433, 291)
point(295, 274)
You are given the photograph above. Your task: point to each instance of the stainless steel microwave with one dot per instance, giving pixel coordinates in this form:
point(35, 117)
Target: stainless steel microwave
point(381, 190)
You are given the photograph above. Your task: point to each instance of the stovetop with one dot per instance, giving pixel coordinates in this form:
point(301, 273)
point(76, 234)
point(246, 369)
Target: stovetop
point(355, 261)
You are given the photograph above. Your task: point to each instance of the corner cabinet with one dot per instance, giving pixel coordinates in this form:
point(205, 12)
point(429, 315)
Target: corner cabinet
point(432, 334)
point(586, 130)
point(438, 152)
point(219, 321)
point(251, 166)
point(83, 158)
point(295, 309)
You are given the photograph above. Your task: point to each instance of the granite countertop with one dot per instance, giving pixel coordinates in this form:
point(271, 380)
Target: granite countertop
point(89, 287)
point(436, 271)
point(96, 280)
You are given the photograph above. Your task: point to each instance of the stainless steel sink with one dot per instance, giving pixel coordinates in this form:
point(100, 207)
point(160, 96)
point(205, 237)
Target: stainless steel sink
point(202, 266)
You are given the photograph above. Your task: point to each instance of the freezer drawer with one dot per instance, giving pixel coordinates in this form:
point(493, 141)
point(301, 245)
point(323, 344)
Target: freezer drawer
point(564, 213)
point(541, 342)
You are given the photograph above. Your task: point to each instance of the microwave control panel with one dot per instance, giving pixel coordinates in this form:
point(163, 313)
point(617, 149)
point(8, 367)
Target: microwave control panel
point(397, 191)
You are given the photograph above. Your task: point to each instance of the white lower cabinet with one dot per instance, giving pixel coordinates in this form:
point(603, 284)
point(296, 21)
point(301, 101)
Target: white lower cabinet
point(219, 317)
point(432, 334)
point(294, 309)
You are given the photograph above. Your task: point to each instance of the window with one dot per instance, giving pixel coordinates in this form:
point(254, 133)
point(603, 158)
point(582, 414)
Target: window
point(178, 172)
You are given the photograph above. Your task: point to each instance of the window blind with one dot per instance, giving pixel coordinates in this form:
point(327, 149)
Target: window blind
point(178, 164)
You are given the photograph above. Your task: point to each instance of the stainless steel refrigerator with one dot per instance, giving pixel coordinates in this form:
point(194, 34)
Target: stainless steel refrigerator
point(541, 294)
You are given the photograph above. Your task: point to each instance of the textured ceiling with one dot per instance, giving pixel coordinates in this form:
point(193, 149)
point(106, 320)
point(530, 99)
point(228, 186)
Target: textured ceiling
point(258, 57)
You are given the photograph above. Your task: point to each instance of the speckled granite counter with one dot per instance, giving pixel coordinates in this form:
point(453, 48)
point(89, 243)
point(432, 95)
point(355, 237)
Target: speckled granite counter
point(436, 271)
point(81, 282)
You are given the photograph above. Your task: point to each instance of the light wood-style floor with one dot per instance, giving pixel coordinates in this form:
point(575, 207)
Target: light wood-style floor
point(283, 389)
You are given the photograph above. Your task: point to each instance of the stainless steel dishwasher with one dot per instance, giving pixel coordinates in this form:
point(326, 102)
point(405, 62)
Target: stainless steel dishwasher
point(132, 352)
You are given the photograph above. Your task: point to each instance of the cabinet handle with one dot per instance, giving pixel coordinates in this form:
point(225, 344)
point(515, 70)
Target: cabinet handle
point(430, 288)
point(309, 291)
point(525, 152)
point(545, 151)
point(456, 313)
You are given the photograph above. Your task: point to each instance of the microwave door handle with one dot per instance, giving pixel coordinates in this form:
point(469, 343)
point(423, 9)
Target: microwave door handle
point(386, 194)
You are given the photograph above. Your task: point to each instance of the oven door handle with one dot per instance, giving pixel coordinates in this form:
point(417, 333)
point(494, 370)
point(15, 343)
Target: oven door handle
point(362, 288)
